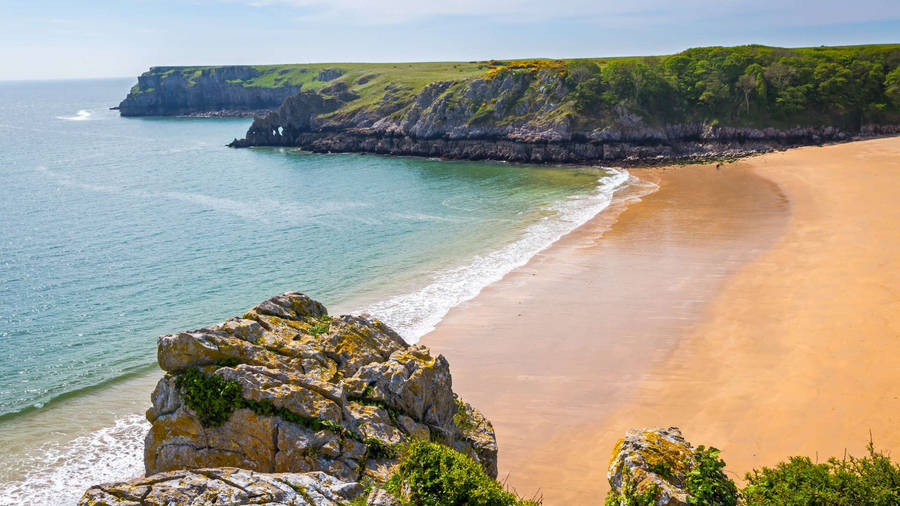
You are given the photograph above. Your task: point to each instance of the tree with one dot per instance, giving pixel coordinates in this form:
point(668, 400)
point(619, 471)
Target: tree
point(746, 83)
point(892, 86)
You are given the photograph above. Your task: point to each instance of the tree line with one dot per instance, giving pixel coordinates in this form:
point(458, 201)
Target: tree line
point(746, 86)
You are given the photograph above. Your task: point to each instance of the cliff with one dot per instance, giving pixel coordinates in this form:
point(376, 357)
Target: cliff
point(210, 91)
point(287, 398)
point(703, 103)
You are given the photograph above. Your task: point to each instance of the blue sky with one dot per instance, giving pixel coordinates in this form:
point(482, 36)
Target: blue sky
point(48, 39)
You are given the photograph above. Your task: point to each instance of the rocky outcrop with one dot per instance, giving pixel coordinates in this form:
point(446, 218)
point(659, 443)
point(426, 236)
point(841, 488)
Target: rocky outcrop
point(204, 91)
point(512, 116)
point(286, 388)
point(224, 486)
point(654, 461)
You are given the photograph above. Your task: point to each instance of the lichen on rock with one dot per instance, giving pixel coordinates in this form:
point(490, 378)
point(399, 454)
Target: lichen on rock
point(286, 388)
point(653, 464)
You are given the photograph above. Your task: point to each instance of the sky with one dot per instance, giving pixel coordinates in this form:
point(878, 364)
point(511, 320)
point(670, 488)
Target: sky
point(58, 39)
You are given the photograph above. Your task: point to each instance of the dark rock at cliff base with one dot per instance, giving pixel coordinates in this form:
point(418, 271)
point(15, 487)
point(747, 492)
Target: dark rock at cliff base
point(203, 91)
point(287, 388)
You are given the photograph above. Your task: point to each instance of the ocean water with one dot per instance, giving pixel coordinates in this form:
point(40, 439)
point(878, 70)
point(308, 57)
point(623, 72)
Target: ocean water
point(114, 231)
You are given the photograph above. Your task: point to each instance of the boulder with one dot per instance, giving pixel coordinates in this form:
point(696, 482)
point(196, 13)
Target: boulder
point(225, 486)
point(648, 459)
point(285, 388)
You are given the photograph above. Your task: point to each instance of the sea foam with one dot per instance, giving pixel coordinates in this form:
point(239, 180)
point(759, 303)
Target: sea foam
point(59, 473)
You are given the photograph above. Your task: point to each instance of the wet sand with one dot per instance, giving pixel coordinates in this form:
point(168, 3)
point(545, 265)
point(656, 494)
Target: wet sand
point(755, 306)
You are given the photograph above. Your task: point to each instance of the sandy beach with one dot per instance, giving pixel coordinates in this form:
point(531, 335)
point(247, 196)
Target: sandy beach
point(754, 305)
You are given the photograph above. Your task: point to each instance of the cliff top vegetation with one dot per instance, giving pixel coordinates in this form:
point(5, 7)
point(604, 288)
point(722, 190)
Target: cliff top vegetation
point(753, 86)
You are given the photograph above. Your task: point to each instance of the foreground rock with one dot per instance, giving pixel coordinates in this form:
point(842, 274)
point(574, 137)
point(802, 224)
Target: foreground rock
point(224, 486)
point(655, 461)
point(287, 389)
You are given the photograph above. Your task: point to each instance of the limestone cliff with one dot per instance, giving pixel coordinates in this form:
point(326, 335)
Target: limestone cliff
point(698, 104)
point(287, 388)
point(513, 116)
point(206, 91)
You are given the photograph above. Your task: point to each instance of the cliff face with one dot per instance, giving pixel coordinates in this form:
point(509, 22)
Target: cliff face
point(213, 91)
point(513, 116)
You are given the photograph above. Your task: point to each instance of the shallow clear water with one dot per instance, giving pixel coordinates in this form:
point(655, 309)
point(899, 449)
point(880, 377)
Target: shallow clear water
point(116, 230)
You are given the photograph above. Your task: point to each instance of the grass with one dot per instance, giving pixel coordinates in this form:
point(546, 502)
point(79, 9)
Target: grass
point(319, 325)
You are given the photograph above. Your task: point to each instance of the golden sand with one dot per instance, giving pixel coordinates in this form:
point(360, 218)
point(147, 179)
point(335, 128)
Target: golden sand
point(754, 305)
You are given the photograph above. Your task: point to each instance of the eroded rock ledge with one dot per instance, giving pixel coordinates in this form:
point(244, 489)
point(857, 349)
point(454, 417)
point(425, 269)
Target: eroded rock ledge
point(287, 388)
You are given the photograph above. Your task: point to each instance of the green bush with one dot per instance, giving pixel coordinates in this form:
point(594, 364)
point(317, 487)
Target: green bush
point(211, 396)
point(439, 476)
point(707, 482)
point(871, 480)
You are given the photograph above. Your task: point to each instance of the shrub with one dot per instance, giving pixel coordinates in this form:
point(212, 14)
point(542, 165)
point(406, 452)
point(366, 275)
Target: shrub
point(871, 480)
point(707, 482)
point(211, 396)
point(438, 476)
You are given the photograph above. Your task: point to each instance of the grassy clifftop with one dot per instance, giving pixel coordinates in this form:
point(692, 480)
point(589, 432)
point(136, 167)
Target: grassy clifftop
point(785, 95)
point(744, 85)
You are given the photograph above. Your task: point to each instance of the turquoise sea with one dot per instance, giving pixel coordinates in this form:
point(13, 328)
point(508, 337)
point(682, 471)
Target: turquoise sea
point(114, 231)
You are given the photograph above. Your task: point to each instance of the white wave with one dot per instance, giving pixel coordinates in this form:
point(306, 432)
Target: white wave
point(417, 313)
point(59, 473)
point(81, 115)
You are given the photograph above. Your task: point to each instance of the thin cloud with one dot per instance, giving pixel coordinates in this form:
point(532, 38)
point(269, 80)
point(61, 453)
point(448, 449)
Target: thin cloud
point(601, 11)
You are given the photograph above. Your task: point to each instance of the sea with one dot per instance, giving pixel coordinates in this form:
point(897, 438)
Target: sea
point(114, 231)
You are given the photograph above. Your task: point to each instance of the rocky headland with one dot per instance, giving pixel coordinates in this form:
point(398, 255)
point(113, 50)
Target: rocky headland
point(206, 91)
point(522, 126)
point(700, 104)
point(291, 405)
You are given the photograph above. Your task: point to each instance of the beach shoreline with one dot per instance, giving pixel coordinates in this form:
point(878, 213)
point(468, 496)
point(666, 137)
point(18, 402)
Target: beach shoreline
point(712, 305)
